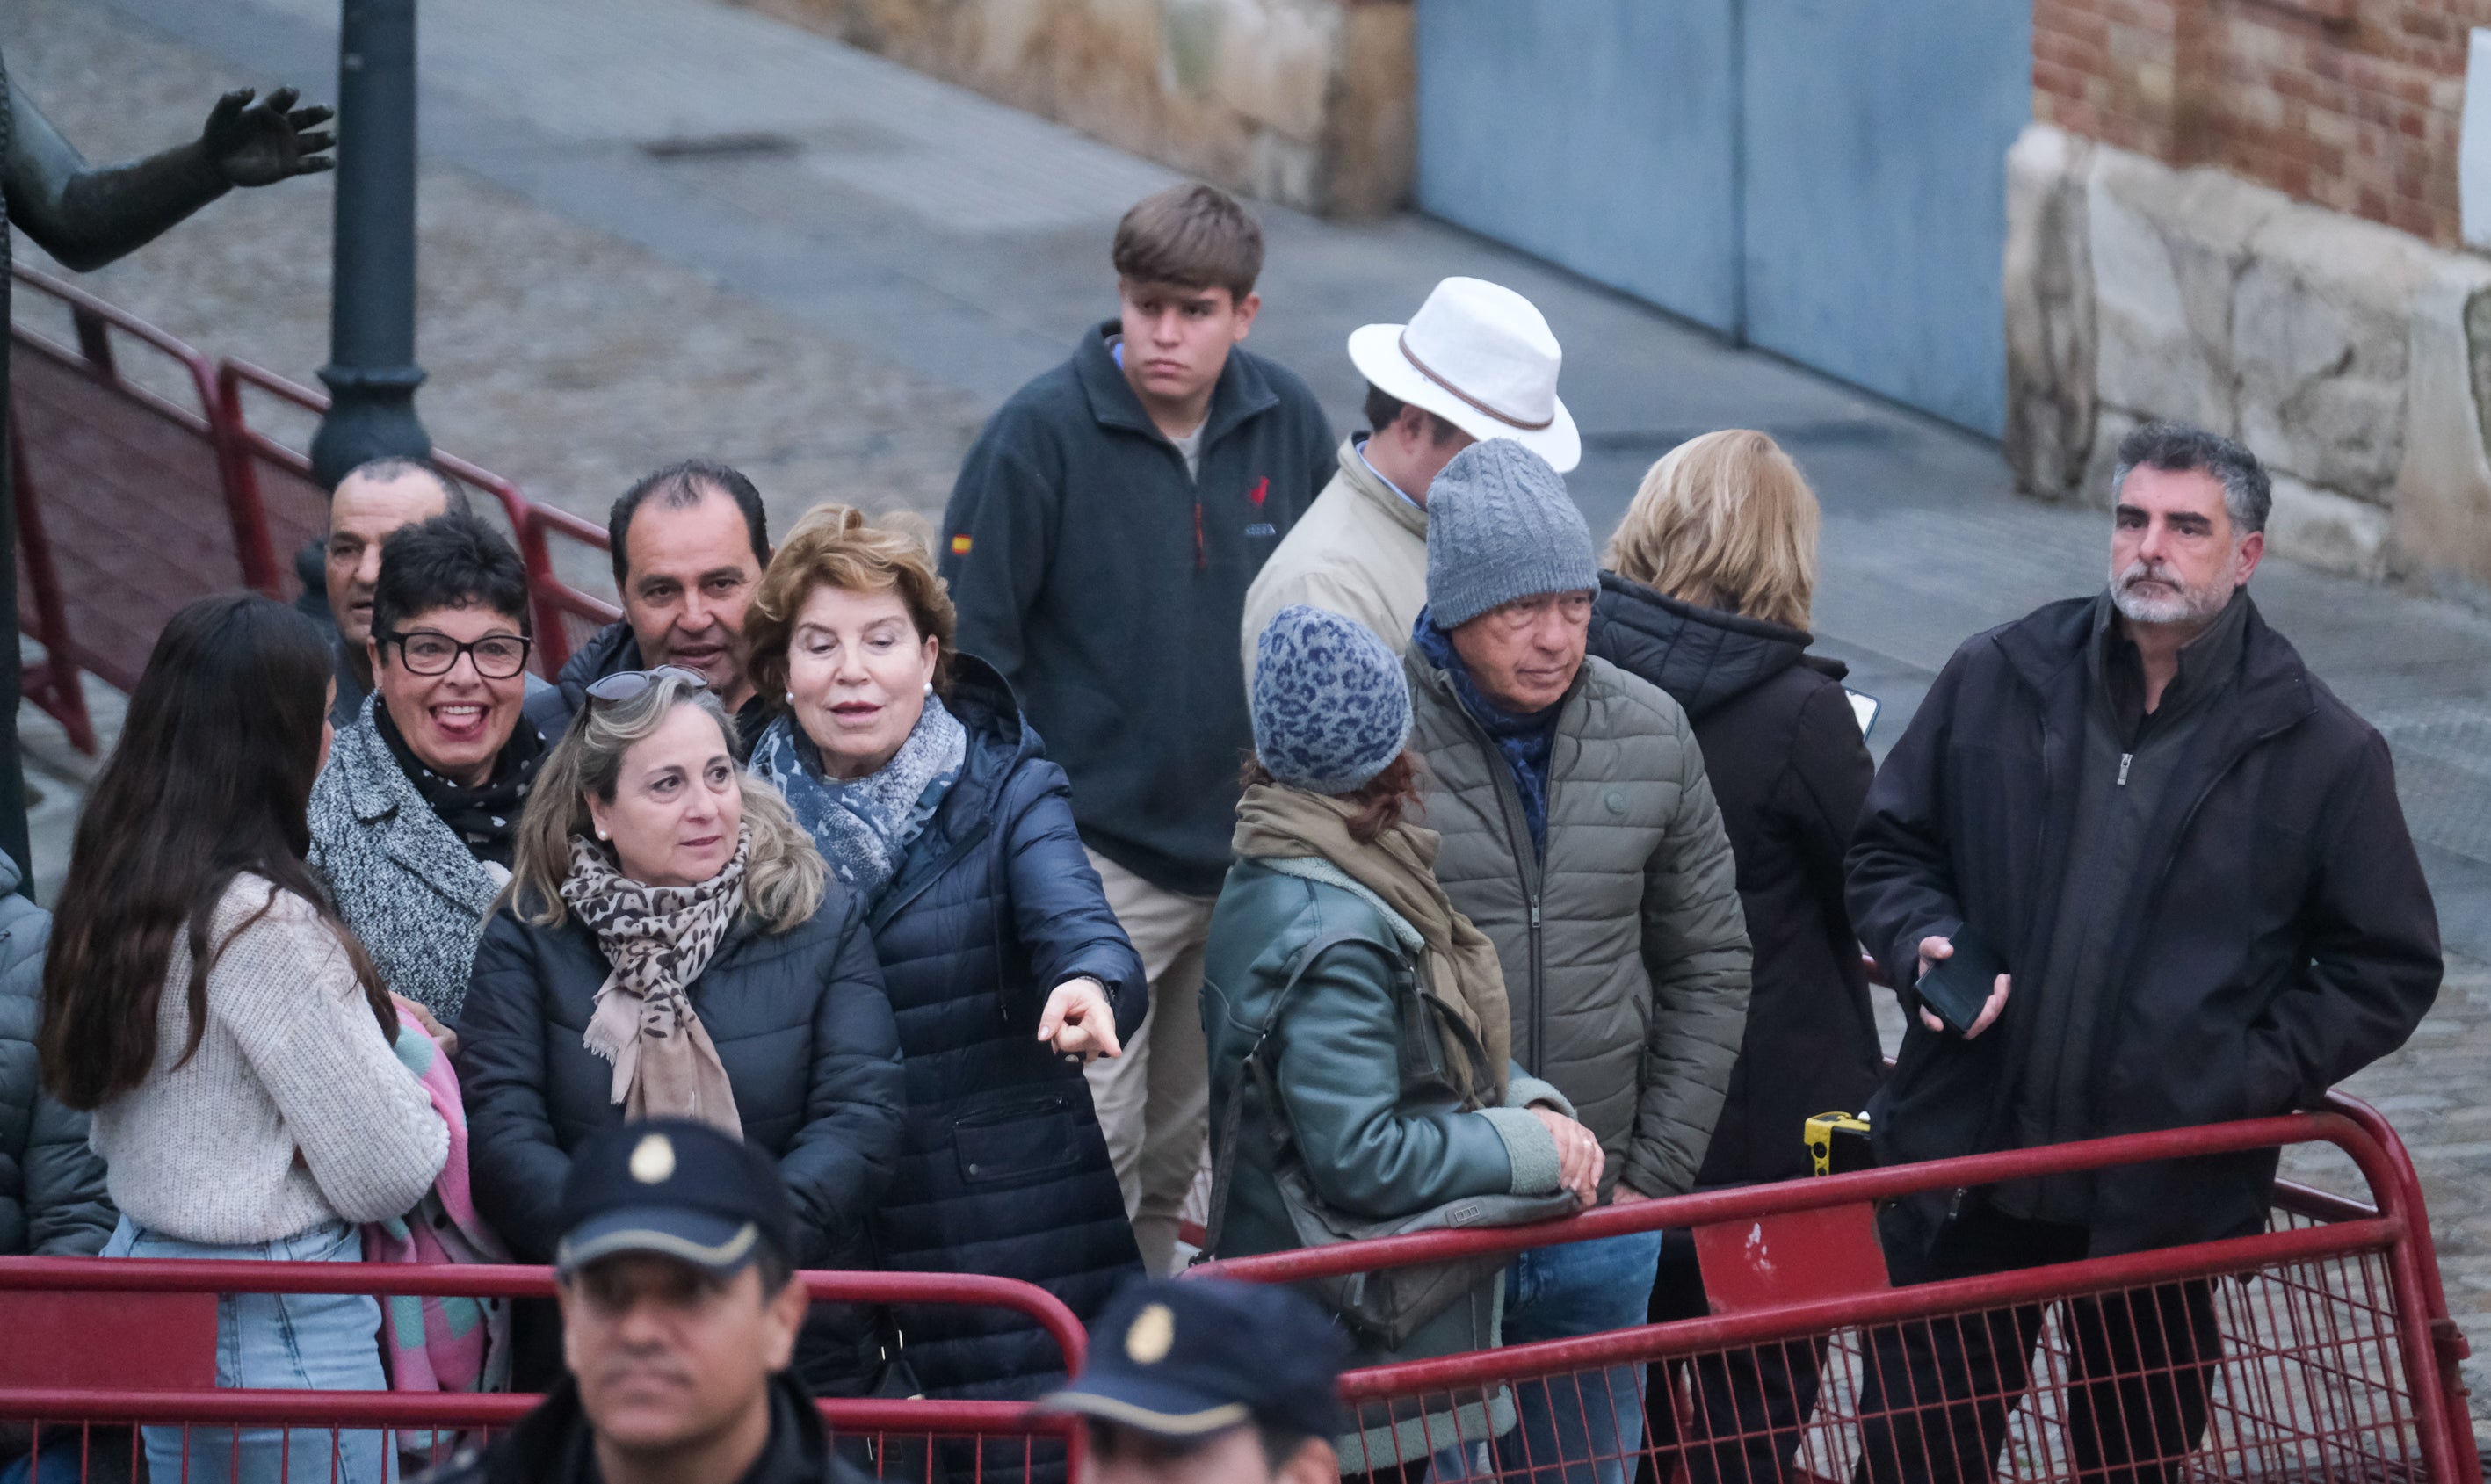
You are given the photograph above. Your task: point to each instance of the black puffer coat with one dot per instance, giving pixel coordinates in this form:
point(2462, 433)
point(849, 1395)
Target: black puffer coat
point(1790, 770)
point(1002, 1167)
point(52, 1200)
point(804, 1032)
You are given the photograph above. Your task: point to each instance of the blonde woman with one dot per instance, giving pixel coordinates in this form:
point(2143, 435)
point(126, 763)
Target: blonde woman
point(671, 945)
point(1707, 597)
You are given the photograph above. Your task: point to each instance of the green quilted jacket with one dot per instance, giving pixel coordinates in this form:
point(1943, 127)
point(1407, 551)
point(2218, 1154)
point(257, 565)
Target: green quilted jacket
point(1625, 950)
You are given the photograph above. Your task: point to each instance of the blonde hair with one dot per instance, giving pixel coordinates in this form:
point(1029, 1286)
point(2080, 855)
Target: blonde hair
point(836, 545)
point(784, 877)
point(1724, 521)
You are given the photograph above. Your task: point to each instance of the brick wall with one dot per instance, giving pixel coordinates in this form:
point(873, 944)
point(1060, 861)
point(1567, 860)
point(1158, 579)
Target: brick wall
point(2351, 104)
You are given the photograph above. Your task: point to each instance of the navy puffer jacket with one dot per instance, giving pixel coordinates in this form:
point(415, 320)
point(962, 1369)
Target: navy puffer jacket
point(1002, 1166)
point(802, 1027)
point(52, 1201)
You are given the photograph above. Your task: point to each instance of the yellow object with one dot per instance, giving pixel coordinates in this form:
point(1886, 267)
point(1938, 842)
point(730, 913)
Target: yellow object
point(1821, 1130)
point(960, 545)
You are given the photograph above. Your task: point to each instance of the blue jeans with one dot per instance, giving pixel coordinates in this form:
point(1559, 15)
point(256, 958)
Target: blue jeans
point(1585, 1428)
point(278, 1342)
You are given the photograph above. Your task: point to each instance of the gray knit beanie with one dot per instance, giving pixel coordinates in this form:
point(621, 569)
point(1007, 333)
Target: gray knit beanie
point(1331, 707)
point(1501, 526)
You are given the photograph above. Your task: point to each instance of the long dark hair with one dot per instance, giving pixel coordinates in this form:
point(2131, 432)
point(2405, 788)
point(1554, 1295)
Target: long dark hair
point(211, 778)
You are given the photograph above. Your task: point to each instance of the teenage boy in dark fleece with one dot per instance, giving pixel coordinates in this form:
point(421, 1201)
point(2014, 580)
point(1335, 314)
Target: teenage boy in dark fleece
point(1099, 543)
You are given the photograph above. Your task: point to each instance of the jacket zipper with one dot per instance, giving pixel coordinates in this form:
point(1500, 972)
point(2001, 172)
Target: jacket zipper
point(1527, 866)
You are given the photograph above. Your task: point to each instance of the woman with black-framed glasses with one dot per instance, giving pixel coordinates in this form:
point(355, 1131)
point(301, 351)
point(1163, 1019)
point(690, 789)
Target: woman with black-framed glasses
point(412, 821)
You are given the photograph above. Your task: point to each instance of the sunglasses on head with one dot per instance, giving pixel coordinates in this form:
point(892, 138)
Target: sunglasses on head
point(626, 684)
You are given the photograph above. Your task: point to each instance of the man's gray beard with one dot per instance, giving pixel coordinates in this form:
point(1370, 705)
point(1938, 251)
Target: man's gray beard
point(2191, 605)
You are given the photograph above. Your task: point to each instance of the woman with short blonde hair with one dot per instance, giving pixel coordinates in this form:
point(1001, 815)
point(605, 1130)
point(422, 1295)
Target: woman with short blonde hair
point(930, 796)
point(1724, 521)
point(1712, 574)
point(670, 946)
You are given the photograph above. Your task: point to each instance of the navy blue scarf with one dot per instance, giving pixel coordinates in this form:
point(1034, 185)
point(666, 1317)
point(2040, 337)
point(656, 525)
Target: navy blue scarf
point(1525, 740)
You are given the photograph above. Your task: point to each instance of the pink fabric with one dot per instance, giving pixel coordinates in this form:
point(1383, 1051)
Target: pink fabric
point(441, 1344)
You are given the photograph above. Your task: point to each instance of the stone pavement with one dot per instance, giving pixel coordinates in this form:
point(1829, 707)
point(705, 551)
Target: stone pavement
point(659, 228)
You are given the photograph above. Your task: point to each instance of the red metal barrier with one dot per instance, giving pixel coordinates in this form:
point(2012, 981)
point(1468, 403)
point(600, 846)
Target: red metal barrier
point(566, 615)
point(117, 449)
point(2320, 1348)
point(97, 1345)
point(274, 480)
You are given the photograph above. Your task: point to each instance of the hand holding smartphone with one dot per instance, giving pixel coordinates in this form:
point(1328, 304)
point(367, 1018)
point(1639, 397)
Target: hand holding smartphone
point(1957, 988)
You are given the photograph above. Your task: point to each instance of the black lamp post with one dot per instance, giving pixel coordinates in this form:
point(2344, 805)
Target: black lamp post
point(372, 372)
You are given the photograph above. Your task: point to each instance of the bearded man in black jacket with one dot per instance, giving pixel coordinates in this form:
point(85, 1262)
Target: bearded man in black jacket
point(2189, 856)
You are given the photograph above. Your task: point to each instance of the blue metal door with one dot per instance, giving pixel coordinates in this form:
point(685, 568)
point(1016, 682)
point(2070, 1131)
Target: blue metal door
point(1825, 178)
point(1596, 133)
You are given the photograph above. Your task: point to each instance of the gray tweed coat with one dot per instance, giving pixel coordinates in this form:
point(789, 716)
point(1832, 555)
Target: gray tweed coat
point(402, 879)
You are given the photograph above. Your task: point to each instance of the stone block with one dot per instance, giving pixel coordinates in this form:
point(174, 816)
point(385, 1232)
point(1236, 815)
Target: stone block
point(2328, 530)
point(2321, 318)
point(2167, 248)
point(2050, 372)
point(2442, 519)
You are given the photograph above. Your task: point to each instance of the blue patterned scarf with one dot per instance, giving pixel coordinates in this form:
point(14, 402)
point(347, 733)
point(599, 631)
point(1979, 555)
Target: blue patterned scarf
point(864, 826)
point(1525, 740)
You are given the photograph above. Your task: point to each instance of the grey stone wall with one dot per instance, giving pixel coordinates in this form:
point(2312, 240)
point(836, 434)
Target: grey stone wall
point(2350, 357)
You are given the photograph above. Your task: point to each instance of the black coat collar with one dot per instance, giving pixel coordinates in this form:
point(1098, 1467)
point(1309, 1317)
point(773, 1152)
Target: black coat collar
point(1242, 392)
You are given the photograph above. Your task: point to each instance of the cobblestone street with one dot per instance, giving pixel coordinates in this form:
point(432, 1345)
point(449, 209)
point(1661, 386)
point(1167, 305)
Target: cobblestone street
point(836, 315)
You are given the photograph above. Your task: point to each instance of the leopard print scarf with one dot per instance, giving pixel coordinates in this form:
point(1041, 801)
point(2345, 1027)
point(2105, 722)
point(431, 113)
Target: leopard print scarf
point(658, 940)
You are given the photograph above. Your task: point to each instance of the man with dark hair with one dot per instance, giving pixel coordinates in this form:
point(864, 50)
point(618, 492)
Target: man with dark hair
point(2188, 859)
point(1209, 1382)
point(1100, 542)
point(689, 544)
point(1476, 362)
point(373, 500)
point(680, 1314)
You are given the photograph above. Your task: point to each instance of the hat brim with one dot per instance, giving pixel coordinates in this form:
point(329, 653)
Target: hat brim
point(1376, 351)
point(715, 1244)
point(1160, 1410)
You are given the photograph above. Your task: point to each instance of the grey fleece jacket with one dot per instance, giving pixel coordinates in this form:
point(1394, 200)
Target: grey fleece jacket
point(1625, 948)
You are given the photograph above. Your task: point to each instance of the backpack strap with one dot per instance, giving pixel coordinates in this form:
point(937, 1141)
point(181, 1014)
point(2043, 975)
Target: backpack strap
point(1258, 1073)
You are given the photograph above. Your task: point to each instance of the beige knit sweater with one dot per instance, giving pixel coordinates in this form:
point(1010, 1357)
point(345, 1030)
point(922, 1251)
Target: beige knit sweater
point(291, 1062)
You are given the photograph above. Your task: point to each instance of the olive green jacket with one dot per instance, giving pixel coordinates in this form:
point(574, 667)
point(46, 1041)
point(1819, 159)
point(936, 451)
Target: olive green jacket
point(1625, 950)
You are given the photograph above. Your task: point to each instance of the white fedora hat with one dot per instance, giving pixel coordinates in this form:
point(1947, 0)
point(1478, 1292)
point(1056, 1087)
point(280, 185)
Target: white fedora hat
point(1478, 356)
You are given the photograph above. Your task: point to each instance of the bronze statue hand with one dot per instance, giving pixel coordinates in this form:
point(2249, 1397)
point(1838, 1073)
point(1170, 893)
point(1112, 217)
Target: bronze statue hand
point(262, 143)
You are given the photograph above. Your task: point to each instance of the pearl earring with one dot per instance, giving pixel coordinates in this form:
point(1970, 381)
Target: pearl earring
point(791, 698)
point(930, 687)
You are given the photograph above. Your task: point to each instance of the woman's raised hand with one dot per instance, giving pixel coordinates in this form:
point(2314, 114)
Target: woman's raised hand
point(1579, 1160)
point(1080, 1022)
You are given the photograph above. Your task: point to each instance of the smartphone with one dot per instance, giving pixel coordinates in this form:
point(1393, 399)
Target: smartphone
point(1837, 1143)
point(1863, 708)
point(1955, 989)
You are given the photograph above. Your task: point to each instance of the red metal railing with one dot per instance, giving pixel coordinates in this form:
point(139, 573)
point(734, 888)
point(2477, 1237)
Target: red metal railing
point(300, 509)
point(142, 486)
point(2337, 1355)
point(105, 1343)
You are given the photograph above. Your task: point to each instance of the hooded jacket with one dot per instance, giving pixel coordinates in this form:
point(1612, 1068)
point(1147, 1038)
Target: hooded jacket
point(1002, 1168)
point(1789, 769)
point(2279, 938)
point(52, 1198)
point(1360, 552)
point(1107, 586)
point(1624, 950)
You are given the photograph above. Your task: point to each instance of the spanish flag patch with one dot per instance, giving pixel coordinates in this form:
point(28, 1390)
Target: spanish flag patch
point(960, 545)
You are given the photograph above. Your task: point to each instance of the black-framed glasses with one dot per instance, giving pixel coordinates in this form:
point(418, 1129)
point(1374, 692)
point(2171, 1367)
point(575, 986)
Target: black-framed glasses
point(626, 684)
point(423, 651)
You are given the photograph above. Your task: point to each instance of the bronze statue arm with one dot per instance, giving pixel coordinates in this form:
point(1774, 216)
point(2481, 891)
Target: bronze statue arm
point(86, 216)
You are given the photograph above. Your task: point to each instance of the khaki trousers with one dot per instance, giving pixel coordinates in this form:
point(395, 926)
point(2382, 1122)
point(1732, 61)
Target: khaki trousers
point(1155, 1101)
